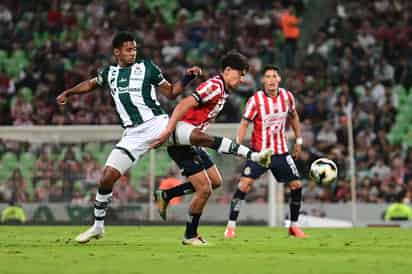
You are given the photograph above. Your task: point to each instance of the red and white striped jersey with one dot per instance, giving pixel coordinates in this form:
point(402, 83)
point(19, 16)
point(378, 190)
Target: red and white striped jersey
point(269, 115)
point(211, 96)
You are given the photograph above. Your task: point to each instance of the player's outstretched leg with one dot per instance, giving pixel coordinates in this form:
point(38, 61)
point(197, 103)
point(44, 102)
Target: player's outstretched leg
point(235, 205)
point(103, 199)
point(228, 146)
point(295, 203)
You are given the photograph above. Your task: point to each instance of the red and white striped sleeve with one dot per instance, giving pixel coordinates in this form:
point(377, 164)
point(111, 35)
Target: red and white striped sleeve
point(291, 99)
point(250, 111)
point(206, 92)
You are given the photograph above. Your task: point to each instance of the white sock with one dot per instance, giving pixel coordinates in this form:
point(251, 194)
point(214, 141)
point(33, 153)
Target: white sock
point(225, 145)
point(243, 151)
point(294, 224)
point(101, 212)
point(229, 146)
point(99, 224)
point(231, 224)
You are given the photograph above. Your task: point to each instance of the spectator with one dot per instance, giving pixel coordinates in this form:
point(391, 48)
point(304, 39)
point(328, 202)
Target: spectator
point(290, 27)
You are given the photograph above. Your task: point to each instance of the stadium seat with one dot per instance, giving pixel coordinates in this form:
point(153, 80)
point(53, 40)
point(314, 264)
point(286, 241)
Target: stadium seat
point(93, 149)
point(28, 159)
point(9, 160)
point(3, 59)
point(5, 173)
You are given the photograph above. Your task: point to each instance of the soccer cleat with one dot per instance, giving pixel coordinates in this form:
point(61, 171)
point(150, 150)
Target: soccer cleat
point(230, 233)
point(92, 233)
point(296, 232)
point(263, 158)
point(161, 203)
point(195, 241)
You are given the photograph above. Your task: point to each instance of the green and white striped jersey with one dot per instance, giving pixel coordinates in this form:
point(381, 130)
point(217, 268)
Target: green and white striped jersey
point(133, 90)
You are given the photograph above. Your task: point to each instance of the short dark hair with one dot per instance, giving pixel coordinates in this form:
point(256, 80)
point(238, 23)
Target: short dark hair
point(120, 38)
point(270, 67)
point(235, 60)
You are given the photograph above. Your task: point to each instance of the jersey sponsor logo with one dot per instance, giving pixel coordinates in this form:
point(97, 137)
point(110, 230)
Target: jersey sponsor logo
point(274, 120)
point(128, 90)
point(137, 69)
point(122, 80)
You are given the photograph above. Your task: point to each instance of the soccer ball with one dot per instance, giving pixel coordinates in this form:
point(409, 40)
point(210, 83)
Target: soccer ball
point(323, 171)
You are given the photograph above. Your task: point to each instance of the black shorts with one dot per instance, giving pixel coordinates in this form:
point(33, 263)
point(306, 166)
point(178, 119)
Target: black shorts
point(282, 167)
point(190, 159)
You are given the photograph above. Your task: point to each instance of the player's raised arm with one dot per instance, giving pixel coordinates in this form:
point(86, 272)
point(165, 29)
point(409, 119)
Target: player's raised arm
point(171, 91)
point(83, 87)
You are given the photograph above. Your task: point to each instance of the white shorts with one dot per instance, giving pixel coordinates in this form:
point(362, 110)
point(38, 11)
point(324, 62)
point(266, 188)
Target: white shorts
point(181, 135)
point(135, 142)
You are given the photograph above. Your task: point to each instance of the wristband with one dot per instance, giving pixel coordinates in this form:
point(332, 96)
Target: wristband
point(187, 79)
point(299, 141)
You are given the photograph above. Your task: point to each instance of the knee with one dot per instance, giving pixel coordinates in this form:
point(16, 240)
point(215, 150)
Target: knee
point(199, 138)
point(295, 185)
point(204, 192)
point(109, 177)
point(216, 183)
point(245, 186)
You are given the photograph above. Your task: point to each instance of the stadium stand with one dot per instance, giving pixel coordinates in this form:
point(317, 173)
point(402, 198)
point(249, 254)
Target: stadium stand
point(360, 56)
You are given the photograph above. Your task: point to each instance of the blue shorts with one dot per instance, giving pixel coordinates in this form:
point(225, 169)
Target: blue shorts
point(282, 167)
point(190, 159)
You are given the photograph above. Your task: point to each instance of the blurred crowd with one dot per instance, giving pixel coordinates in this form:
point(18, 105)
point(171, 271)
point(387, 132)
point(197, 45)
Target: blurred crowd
point(358, 60)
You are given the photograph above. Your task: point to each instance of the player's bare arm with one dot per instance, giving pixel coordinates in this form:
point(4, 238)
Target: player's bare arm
point(84, 87)
point(295, 124)
point(178, 113)
point(171, 91)
point(242, 130)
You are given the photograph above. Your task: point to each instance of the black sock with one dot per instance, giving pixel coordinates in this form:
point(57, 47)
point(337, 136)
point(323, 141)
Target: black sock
point(235, 204)
point(296, 199)
point(104, 191)
point(192, 224)
point(180, 190)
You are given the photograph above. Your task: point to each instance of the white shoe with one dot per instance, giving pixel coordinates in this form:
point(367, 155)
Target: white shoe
point(263, 158)
point(92, 233)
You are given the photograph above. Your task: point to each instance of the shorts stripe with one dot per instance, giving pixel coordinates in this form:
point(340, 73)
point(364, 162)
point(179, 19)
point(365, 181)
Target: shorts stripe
point(127, 152)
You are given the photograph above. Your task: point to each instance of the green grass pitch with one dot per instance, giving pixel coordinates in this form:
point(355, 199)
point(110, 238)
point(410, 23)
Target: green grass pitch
point(158, 249)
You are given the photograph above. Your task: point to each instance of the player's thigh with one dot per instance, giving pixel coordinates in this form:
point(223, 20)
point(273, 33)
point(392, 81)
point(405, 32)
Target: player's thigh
point(214, 176)
point(135, 142)
point(181, 135)
point(188, 134)
point(252, 170)
point(210, 167)
point(201, 182)
point(119, 159)
point(284, 169)
point(187, 159)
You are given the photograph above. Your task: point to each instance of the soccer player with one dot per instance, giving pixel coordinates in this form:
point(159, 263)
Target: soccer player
point(268, 110)
point(132, 85)
point(186, 129)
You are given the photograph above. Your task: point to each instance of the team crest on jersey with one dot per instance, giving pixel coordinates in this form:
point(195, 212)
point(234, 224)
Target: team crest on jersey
point(138, 69)
point(247, 170)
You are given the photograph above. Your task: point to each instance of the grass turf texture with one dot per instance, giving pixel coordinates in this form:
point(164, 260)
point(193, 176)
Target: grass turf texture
point(148, 249)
